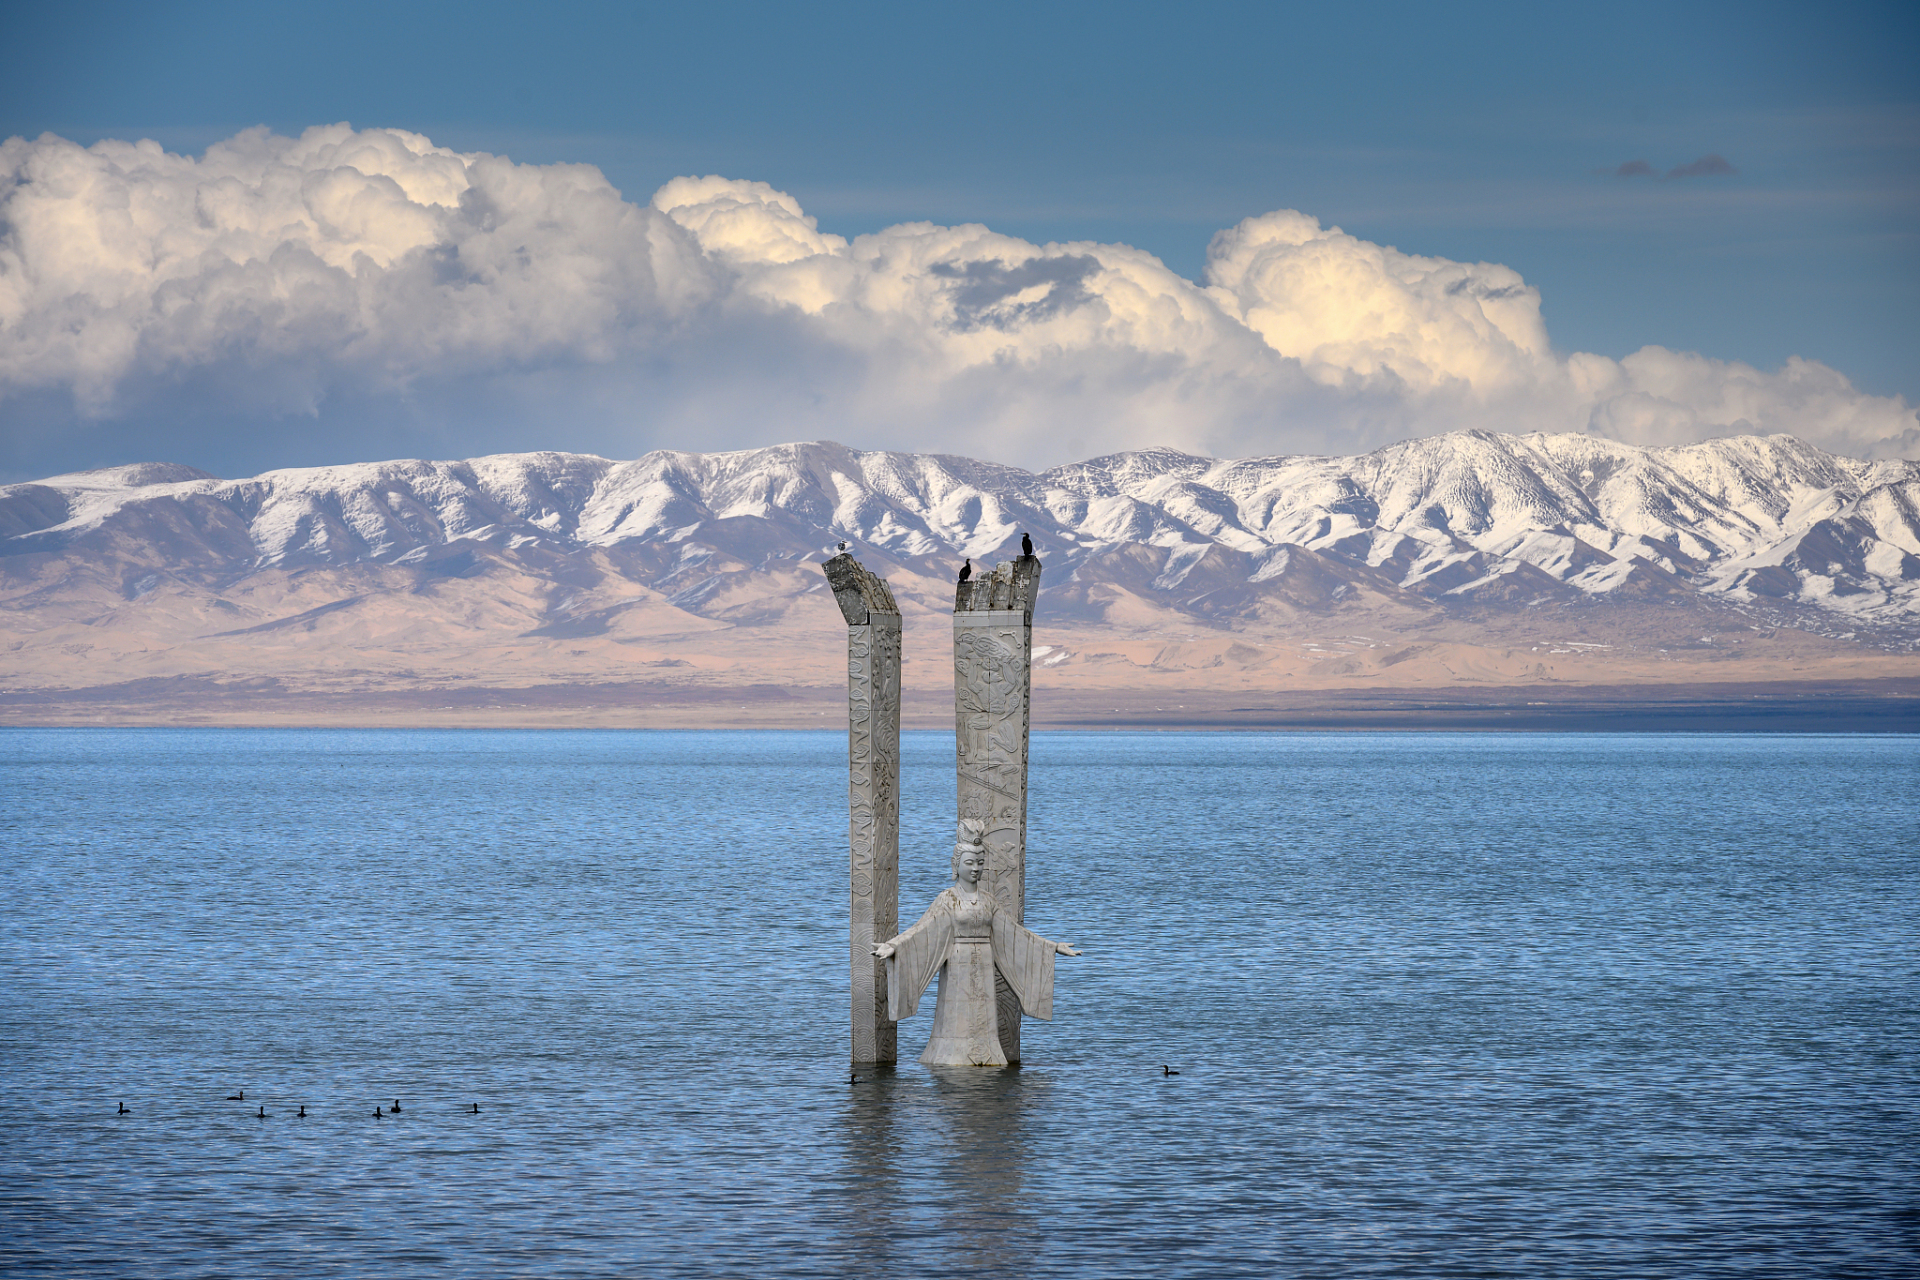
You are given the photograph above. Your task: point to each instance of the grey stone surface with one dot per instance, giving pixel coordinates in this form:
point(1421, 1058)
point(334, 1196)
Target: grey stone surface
point(873, 795)
point(1012, 587)
point(972, 942)
point(992, 669)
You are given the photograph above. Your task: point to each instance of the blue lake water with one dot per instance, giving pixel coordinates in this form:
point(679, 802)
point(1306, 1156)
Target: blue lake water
point(1442, 1005)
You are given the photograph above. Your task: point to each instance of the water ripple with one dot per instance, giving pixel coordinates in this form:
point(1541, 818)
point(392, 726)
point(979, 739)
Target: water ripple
point(1448, 1006)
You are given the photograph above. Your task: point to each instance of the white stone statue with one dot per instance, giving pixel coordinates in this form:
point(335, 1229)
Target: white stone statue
point(964, 937)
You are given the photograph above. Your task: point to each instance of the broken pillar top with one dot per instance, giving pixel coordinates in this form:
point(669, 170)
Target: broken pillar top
point(860, 591)
point(1012, 587)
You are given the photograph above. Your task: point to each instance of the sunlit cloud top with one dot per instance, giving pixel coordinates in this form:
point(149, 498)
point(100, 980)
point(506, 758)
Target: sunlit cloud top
point(281, 280)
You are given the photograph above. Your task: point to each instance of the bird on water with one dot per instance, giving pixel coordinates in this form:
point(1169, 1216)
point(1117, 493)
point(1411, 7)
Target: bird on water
point(263, 1113)
point(1026, 545)
point(966, 570)
point(237, 1097)
point(396, 1106)
point(476, 1109)
point(303, 1112)
point(376, 1113)
point(1166, 1070)
point(124, 1111)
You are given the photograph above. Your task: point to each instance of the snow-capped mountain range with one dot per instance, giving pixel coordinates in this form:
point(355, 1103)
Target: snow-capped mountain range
point(1461, 518)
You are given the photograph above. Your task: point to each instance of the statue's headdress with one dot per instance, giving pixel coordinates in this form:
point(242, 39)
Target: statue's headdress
point(970, 835)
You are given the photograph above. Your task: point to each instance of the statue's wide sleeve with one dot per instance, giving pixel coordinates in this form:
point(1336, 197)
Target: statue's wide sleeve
point(1025, 960)
point(917, 956)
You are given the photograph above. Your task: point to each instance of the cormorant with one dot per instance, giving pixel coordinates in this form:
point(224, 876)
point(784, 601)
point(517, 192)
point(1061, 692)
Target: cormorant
point(1166, 1070)
point(124, 1111)
point(396, 1106)
point(476, 1109)
point(966, 570)
point(1026, 545)
point(263, 1113)
point(376, 1113)
point(303, 1112)
point(237, 1097)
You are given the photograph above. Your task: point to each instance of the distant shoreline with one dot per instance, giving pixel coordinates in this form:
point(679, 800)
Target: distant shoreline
point(1839, 706)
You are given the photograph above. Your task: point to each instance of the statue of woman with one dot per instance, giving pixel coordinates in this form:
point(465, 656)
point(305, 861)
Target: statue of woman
point(964, 937)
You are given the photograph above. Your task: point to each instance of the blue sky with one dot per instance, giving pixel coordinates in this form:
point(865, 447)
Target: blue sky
point(1479, 133)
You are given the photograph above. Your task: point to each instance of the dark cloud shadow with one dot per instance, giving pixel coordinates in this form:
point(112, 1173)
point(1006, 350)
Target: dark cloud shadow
point(985, 287)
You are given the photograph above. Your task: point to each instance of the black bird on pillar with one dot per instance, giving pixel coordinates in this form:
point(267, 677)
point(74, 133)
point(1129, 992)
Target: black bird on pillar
point(1026, 545)
point(966, 570)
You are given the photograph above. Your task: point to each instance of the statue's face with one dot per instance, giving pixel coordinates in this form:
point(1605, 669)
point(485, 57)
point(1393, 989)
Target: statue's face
point(973, 865)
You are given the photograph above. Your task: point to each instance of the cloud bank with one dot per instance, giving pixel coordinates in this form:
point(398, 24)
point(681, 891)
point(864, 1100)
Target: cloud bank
point(290, 284)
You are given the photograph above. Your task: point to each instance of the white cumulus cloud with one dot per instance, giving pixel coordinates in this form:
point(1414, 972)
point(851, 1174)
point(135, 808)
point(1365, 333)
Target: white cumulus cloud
point(291, 275)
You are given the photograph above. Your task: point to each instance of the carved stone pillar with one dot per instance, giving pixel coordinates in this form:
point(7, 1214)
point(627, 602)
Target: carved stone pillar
point(873, 795)
point(992, 669)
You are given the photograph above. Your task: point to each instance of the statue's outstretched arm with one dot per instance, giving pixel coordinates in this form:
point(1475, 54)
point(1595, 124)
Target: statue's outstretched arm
point(886, 950)
point(914, 955)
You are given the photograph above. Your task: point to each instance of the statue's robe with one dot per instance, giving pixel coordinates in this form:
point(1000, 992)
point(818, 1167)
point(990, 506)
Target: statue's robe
point(964, 946)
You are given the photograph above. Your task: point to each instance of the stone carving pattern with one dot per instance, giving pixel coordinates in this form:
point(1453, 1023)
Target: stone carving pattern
point(873, 825)
point(992, 664)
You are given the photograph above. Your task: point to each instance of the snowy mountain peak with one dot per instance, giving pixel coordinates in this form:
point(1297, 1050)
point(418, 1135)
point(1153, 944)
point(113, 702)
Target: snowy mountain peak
point(1469, 516)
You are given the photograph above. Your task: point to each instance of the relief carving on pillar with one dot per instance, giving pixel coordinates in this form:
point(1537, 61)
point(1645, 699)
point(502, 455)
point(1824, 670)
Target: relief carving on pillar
point(882, 844)
point(991, 751)
point(873, 799)
point(992, 668)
